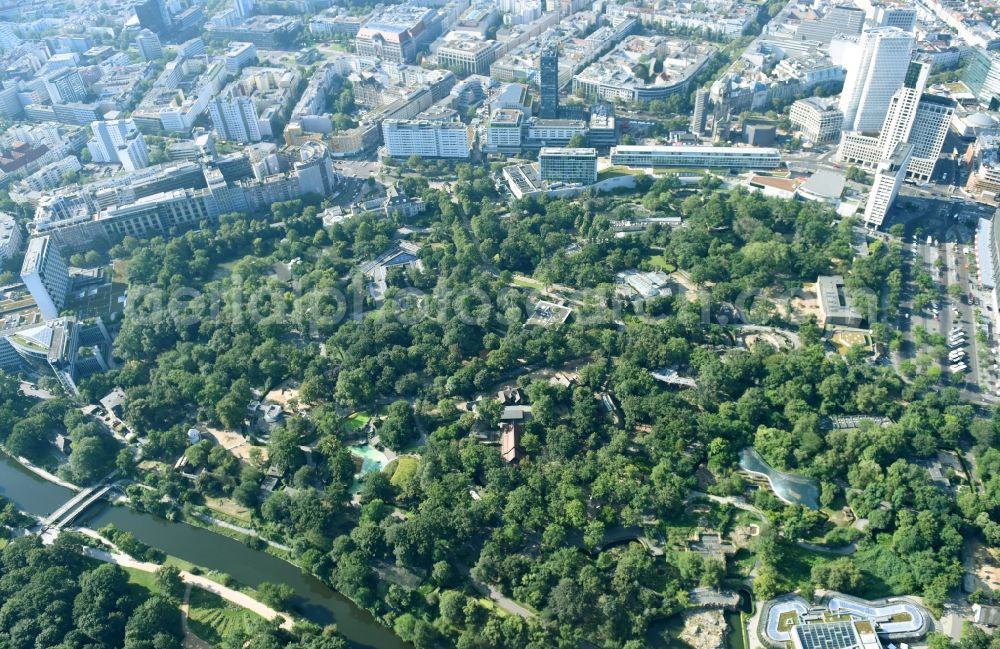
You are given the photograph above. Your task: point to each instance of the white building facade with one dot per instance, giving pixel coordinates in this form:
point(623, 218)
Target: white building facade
point(876, 69)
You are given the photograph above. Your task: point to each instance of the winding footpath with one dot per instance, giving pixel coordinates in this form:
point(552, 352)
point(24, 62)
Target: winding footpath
point(191, 640)
point(211, 520)
point(226, 593)
point(234, 596)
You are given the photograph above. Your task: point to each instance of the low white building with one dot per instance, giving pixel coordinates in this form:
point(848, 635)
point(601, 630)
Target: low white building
point(696, 156)
point(818, 120)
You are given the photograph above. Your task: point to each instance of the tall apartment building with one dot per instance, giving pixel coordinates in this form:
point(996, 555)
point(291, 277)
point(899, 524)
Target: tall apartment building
point(66, 86)
point(235, 118)
point(8, 39)
point(149, 45)
point(818, 120)
point(894, 15)
point(876, 69)
point(118, 142)
point(426, 139)
point(244, 8)
point(548, 68)
point(10, 236)
point(888, 179)
point(45, 274)
point(699, 116)
point(568, 165)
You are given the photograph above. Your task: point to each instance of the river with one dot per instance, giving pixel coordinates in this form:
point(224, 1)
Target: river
point(313, 600)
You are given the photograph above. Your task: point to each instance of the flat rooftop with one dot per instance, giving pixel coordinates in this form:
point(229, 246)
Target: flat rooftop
point(567, 152)
point(694, 148)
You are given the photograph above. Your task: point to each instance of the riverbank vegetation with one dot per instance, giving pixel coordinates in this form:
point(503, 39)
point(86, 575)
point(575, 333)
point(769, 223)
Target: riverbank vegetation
point(29, 428)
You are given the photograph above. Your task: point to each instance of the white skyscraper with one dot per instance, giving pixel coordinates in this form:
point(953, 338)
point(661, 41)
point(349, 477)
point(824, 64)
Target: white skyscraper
point(930, 127)
point(118, 141)
point(44, 273)
point(913, 116)
point(902, 109)
point(235, 118)
point(133, 153)
point(875, 71)
point(888, 179)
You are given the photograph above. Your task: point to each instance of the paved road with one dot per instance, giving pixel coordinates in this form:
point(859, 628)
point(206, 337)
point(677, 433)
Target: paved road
point(494, 594)
point(844, 551)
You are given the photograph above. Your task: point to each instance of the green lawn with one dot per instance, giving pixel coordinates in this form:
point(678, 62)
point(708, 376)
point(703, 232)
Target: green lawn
point(357, 421)
point(660, 262)
point(787, 620)
point(527, 282)
point(142, 579)
point(403, 470)
point(213, 619)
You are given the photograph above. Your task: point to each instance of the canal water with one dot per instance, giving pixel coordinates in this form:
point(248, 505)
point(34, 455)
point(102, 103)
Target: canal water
point(313, 600)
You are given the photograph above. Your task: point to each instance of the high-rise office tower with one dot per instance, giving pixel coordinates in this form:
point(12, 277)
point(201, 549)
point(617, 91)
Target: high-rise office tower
point(930, 127)
point(45, 274)
point(903, 109)
point(244, 7)
point(149, 45)
point(699, 115)
point(549, 82)
point(913, 116)
point(153, 15)
point(875, 71)
point(888, 179)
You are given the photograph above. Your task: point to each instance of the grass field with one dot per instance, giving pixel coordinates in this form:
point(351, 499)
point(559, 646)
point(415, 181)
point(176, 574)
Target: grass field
point(527, 282)
point(357, 421)
point(659, 262)
point(213, 619)
point(844, 340)
point(142, 579)
point(787, 620)
point(404, 470)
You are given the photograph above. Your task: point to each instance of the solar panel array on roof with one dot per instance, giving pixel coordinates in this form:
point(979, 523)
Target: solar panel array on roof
point(833, 635)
